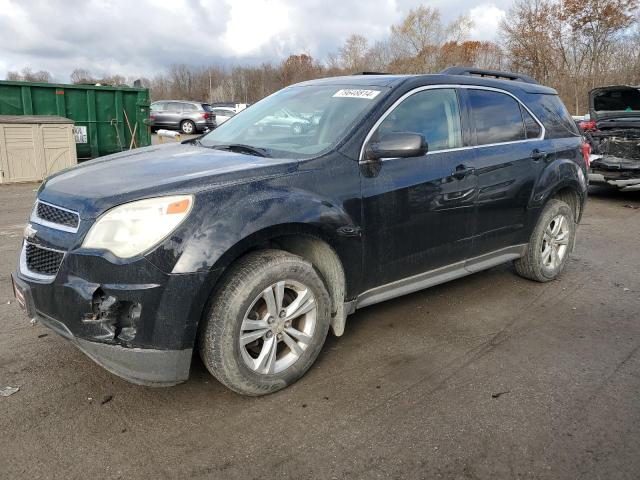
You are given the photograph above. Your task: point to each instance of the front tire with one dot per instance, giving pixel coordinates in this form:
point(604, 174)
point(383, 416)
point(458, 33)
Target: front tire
point(551, 243)
point(266, 324)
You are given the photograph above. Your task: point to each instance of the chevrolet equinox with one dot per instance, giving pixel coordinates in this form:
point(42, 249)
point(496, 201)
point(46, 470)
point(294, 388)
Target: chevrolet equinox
point(249, 243)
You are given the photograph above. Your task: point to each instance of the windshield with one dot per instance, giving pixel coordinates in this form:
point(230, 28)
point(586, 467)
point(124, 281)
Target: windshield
point(297, 122)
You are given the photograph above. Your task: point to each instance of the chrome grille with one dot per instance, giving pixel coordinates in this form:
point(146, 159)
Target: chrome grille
point(41, 260)
point(57, 215)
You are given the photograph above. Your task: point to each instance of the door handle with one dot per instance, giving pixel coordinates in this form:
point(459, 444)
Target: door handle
point(538, 154)
point(462, 171)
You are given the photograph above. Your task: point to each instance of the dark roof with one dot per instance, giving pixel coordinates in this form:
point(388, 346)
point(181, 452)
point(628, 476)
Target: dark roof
point(34, 119)
point(391, 81)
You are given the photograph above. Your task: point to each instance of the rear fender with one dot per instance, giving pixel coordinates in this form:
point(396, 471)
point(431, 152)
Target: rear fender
point(557, 175)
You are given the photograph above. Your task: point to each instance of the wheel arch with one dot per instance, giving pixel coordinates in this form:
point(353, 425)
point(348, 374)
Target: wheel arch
point(305, 241)
point(564, 180)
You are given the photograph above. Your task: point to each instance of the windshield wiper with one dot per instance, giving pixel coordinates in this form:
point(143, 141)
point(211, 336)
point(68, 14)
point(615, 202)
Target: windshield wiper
point(242, 148)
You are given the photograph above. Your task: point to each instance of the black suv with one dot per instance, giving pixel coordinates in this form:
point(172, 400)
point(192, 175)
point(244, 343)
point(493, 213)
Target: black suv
point(249, 243)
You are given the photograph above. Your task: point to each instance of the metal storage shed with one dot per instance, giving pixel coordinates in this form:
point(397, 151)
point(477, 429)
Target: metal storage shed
point(34, 147)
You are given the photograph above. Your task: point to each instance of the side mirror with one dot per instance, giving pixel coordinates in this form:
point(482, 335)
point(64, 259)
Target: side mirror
point(397, 145)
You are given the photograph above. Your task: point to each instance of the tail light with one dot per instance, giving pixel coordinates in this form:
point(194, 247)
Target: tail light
point(206, 116)
point(588, 126)
point(586, 153)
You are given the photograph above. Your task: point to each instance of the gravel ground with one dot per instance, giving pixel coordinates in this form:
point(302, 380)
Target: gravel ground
point(490, 376)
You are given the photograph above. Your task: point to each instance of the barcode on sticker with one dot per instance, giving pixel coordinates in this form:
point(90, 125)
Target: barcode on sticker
point(357, 93)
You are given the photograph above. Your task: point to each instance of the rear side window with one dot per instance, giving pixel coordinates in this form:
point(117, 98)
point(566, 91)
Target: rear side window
point(496, 116)
point(433, 113)
point(557, 121)
point(174, 107)
point(189, 107)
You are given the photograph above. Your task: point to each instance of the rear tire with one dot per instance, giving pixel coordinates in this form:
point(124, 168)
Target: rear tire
point(252, 341)
point(551, 243)
point(187, 127)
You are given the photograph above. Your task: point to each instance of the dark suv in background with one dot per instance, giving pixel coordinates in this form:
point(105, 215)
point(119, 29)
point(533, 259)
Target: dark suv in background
point(188, 117)
point(248, 244)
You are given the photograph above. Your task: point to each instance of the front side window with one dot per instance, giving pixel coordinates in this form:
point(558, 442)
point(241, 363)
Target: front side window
point(297, 122)
point(496, 116)
point(432, 113)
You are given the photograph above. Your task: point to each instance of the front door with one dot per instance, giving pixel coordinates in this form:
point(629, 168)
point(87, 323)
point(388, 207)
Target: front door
point(419, 212)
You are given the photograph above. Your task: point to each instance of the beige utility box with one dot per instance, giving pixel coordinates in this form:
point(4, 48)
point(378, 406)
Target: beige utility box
point(32, 147)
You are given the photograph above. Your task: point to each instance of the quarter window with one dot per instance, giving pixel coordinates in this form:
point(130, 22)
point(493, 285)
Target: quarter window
point(496, 116)
point(432, 113)
point(531, 127)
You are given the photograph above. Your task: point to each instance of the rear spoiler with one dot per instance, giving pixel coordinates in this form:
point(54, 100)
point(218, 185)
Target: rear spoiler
point(497, 74)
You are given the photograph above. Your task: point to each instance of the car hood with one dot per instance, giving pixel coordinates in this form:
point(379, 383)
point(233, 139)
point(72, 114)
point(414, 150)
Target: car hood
point(92, 187)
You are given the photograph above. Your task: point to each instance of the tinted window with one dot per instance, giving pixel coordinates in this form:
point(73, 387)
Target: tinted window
point(557, 121)
point(433, 113)
point(207, 108)
point(532, 127)
point(174, 107)
point(157, 106)
point(189, 107)
point(496, 116)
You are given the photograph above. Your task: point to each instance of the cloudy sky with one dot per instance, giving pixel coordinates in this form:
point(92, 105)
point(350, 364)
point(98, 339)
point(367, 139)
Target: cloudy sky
point(143, 37)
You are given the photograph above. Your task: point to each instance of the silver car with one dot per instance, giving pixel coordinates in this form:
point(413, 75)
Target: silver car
point(188, 117)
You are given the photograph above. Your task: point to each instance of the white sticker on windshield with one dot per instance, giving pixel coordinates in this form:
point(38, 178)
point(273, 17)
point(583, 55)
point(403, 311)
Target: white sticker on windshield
point(357, 93)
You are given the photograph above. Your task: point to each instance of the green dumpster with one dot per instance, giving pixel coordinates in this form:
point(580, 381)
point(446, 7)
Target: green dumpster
point(104, 117)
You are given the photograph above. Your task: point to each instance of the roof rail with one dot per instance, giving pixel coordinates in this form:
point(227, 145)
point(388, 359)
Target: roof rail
point(519, 77)
point(372, 73)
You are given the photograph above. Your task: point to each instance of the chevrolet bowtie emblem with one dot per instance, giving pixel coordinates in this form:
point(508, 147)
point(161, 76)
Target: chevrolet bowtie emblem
point(29, 232)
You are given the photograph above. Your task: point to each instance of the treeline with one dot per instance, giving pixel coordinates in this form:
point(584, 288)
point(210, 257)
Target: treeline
point(571, 45)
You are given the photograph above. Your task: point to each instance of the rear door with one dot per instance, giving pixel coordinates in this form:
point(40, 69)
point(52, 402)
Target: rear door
point(419, 212)
point(173, 114)
point(510, 153)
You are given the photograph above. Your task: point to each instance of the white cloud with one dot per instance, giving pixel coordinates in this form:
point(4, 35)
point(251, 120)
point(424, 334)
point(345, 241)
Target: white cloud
point(143, 37)
point(253, 24)
point(486, 21)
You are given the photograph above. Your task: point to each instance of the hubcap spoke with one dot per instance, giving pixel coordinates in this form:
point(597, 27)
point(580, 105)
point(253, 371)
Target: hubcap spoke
point(266, 360)
point(270, 299)
point(292, 344)
point(298, 335)
point(249, 324)
point(303, 303)
point(250, 337)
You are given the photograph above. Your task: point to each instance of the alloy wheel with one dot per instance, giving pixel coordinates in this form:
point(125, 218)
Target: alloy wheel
point(555, 242)
point(278, 327)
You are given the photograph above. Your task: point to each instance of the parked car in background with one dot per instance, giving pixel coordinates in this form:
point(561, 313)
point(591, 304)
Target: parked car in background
point(248, 245)
point(188, 117)
point(223, 114)
point(613, 131)
point(285, 120)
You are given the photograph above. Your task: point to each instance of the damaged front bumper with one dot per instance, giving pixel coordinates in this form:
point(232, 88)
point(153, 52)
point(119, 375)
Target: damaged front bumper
point(616, 172)
point(134, 320)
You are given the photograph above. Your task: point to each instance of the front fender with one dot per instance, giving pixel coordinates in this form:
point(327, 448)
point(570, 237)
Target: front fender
point(244, 221)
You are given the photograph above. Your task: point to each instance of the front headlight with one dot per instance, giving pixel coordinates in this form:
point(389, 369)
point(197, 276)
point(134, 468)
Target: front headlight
point(133, 228)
